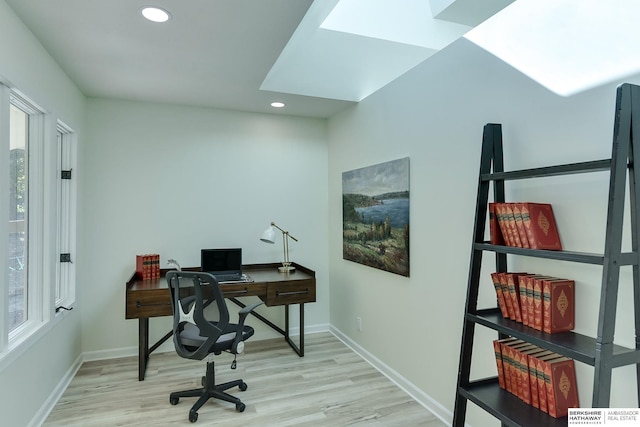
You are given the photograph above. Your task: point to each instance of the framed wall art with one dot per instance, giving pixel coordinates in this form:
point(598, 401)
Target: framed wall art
point(375, 216)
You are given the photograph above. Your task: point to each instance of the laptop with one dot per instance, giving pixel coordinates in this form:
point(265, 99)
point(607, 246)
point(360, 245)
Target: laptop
point(224, 264)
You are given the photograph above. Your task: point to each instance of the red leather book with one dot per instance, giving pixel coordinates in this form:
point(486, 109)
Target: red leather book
point(533, 376)
point(501, 215)
point(558, 306)
point(495, 278)
point(523, 366)
point(507, 297)
point(562, 390)
point(511, 223)
point(542, 387)
point(522, 232)
point(524, 303)
point(507, 362)
point(514, 357)
point(538, 302)
point(514, 292)
point(497, 349)
point(156, 267)
point(495, 235)
point(498, 355)
point(142, 266)
point(533, 299)
point(541, 227)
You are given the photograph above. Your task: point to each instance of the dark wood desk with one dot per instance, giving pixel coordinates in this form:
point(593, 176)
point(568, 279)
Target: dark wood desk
point(150, 298)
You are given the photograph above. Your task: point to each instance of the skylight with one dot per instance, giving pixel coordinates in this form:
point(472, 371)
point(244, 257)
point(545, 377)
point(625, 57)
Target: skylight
point(568, 46)
point(401, 21)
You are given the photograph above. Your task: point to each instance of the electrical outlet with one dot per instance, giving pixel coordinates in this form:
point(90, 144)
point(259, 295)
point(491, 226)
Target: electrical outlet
point(359, 323)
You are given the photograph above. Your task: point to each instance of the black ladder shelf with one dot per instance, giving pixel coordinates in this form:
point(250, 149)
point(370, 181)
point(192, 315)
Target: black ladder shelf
point(599, 352)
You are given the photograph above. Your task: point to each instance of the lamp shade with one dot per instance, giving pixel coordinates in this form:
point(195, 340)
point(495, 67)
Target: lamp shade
point(269, 235)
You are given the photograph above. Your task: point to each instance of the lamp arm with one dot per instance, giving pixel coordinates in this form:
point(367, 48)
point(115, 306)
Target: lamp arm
point(273, 224)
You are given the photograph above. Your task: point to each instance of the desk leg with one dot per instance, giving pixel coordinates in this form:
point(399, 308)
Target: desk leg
point(301, 330)
point(298, 350)
point(286, 323)
point(143, 346)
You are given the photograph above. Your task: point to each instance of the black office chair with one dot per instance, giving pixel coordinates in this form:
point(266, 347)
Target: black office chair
point(195, 336)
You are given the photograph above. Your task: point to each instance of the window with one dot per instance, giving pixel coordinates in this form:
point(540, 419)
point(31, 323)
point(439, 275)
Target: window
point(38, 219)
point(18, 209)
point(65, 272)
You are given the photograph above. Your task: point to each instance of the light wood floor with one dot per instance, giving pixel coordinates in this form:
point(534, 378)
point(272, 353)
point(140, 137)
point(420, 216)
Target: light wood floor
point(331, 386)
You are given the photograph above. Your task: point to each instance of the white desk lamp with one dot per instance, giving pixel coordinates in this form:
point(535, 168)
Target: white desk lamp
point(269, 236)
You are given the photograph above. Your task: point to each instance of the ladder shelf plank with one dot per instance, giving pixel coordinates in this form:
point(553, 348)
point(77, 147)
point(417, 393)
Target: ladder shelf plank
point(503, 405)
point(626, 258)
point(580, 347)
point(568, 169)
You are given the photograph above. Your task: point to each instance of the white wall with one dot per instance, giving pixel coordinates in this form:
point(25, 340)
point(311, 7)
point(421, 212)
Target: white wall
point(435, 114)
point(149, 174)
point(173, 180)
point(28, 381)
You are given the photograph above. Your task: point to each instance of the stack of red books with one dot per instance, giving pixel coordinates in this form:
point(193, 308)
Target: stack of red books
point(541, 378)
point(148, 266)
point(524, 225)
point(541, 302)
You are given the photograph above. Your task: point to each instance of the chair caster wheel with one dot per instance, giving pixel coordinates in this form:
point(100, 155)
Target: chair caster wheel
point(242, 386)
point(240, 407)
point(174, 400)
point(203, 381)
point(193, 416)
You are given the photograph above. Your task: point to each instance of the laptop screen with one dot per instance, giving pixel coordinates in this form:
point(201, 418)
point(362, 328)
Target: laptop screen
point(221, 260)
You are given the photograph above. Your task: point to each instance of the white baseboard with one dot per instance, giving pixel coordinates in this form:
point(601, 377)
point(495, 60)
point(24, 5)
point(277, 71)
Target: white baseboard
point(44, 411)
point(90, 356)
point(313, 329)
point(417, 394)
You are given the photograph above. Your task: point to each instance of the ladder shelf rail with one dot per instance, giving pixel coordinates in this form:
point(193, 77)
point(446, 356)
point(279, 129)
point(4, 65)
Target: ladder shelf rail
point(598, 351)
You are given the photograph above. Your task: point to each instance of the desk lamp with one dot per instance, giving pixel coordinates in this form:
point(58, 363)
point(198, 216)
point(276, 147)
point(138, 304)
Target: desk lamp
point(269, 236)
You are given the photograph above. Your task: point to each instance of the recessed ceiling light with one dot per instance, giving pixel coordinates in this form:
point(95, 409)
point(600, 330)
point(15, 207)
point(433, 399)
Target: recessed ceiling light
point(277, 104)
point(155, 14)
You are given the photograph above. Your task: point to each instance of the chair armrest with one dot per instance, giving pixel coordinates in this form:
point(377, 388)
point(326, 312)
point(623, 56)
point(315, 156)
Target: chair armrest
point(242, 315)
point(248, 309)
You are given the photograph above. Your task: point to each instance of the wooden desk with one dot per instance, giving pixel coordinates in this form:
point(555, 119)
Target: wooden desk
point(150, 298)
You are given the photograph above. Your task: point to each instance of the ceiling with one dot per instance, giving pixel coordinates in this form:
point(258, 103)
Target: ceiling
point(244, 54)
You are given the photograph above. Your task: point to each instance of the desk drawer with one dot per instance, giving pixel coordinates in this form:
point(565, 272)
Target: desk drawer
point(290, 293)
point(235, 290)
point(154, 303)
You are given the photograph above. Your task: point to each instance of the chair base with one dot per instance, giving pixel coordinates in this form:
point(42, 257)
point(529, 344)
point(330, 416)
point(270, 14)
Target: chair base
point(208, 391)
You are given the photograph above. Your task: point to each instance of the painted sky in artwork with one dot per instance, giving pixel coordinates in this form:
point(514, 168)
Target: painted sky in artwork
point(377, 179)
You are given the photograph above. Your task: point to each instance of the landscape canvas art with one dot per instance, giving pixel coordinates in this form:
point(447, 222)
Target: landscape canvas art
point(375, 216)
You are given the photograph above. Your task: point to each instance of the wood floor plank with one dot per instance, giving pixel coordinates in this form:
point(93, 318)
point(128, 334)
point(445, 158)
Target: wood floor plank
point(331, 386)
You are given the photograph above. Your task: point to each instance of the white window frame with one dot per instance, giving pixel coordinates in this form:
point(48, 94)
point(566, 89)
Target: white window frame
point(38, 195)
point(65, 289)
point(4, 219)
point(51, 224)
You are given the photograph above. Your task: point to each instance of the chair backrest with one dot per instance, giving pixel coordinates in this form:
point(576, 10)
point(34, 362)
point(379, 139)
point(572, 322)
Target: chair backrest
point(194, 335)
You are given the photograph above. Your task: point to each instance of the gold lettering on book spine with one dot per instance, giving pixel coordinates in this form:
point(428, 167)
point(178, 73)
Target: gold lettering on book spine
point(563, 303)
point(543, 223)
point(564, 385)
